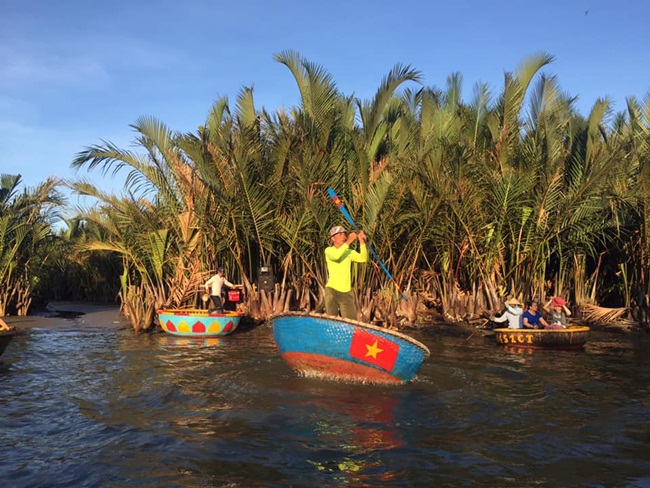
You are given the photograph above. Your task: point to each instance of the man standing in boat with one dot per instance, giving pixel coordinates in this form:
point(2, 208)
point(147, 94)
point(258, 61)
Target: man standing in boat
point(214, 286)
point(339, 257)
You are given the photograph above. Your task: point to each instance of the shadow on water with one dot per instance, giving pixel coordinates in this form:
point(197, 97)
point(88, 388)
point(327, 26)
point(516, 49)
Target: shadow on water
point(105, 407)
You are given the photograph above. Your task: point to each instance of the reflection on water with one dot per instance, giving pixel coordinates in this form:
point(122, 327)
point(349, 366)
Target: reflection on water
point(104, 407)
point(174, 342)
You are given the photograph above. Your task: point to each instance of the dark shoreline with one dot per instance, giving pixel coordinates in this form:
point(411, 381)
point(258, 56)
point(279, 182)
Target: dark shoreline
point(65, 314)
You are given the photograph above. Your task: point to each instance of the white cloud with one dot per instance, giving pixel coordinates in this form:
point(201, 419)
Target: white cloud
point(22, 69)
point(39, 152)
point(84, 63)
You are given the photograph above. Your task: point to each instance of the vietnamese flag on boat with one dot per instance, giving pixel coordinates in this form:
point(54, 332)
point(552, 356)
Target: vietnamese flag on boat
point(374, 349)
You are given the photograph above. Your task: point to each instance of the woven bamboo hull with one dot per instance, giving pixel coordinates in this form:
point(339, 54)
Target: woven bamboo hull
point(198, 323)
point(570, 338)
point(334, 348)
point(5, 338)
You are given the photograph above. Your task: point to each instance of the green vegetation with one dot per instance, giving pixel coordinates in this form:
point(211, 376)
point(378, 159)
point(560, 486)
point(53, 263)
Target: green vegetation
point(24, 231)
point(509, 194)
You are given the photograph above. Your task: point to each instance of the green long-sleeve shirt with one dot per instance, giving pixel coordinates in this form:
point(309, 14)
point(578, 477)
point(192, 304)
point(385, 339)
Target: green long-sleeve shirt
point(339, 260)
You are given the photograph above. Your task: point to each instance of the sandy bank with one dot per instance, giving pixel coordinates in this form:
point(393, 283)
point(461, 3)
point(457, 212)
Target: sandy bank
point(61, 314)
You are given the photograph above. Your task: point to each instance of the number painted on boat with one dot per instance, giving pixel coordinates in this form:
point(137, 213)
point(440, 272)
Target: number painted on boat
point(515, 338)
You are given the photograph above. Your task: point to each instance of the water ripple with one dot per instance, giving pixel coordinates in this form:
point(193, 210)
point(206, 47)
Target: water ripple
point(102, 407)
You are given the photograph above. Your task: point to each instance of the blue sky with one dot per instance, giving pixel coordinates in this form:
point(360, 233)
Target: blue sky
point(75, 72)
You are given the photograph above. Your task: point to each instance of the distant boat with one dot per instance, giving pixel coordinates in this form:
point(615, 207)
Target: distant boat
point(194, 322)
point(573, 337)
point(5, 338)
point(329, 347)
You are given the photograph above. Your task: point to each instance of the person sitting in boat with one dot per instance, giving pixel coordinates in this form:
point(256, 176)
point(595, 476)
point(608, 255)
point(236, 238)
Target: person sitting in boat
point(531, 318)
point(339, 258)
point(214, 286)
point(556, 306)
point(513, 314)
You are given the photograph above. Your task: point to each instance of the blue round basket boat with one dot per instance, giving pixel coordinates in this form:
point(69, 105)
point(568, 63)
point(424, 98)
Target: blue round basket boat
point(329, 347)
point(5, 338)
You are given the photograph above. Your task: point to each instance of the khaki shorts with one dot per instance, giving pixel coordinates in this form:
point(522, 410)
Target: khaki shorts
point(336, 301)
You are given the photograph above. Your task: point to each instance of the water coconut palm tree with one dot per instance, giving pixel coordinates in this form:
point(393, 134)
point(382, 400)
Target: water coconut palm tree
point(25, 225)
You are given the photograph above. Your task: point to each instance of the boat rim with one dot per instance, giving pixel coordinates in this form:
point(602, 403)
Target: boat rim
point(573, 328)
point(9, 332)
point(197, 312)
point(358, 323)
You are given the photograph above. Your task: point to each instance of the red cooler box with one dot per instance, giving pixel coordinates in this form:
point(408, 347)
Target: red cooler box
point(234, 296)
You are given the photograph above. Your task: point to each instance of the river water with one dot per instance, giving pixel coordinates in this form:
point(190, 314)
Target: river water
point(102, 407)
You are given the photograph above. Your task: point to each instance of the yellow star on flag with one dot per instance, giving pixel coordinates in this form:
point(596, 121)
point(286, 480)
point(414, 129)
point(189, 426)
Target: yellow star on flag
point(373, 350)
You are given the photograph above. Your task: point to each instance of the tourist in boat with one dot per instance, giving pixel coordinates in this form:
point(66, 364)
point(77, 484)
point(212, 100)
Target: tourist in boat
point(339, 257)
point(513, 314)
point(556, 306)
point(214, 286)
point(531, 318)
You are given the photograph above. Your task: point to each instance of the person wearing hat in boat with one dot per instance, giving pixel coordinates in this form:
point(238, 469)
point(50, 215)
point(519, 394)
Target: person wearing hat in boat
point(531, 318)
point(214, 287)
point(556, 306)
point(513, 314)
point(339, 258)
